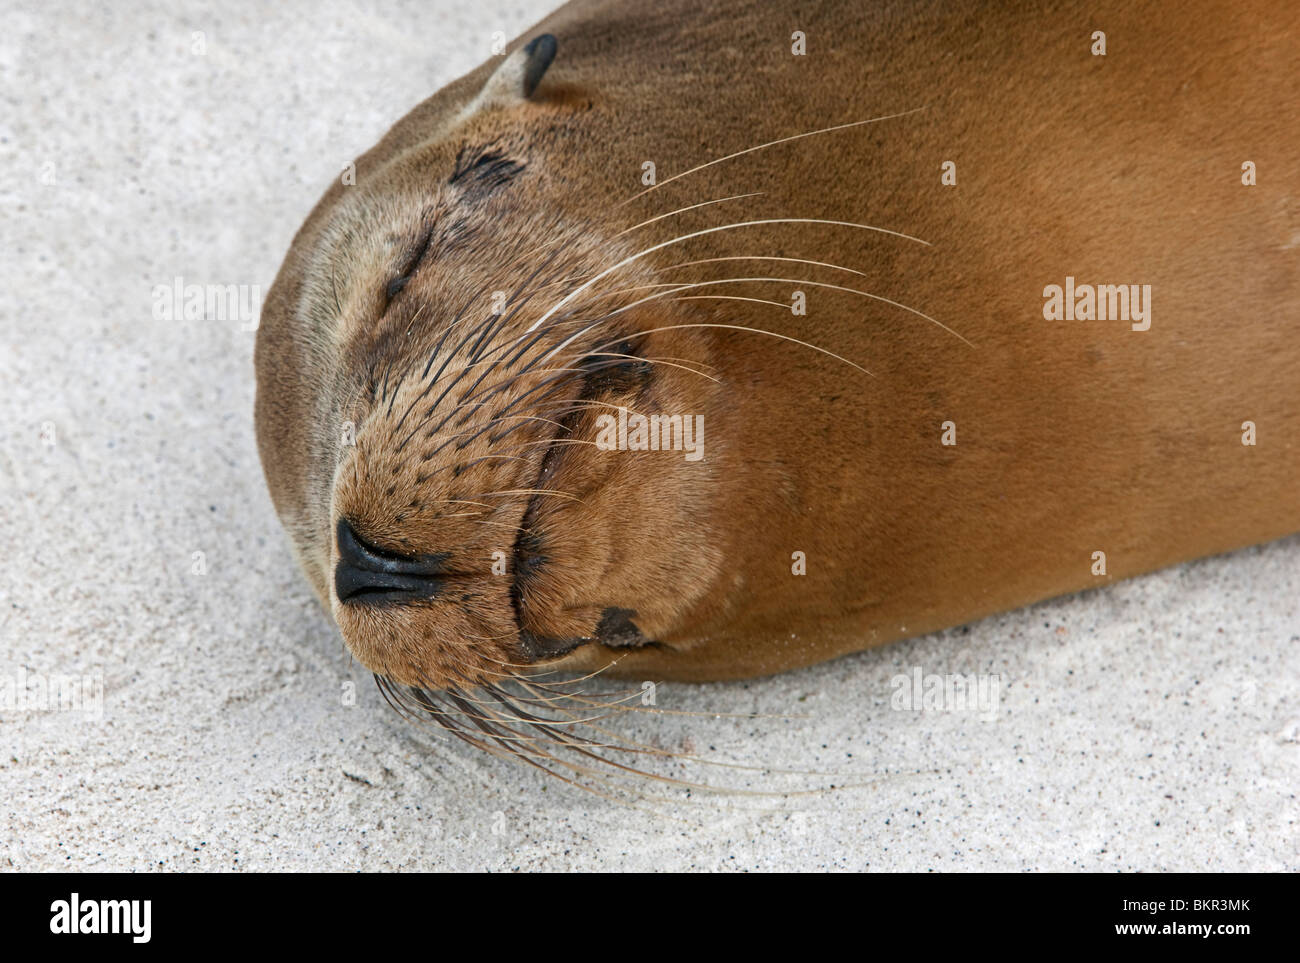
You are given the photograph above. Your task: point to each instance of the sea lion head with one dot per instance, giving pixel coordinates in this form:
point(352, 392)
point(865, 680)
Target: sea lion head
point(436, 365)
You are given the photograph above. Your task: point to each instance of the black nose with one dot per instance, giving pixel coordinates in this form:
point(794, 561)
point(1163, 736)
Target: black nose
point(368, 575)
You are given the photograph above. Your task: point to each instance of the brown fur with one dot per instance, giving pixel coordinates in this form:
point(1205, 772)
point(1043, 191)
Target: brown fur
point(1073, 436)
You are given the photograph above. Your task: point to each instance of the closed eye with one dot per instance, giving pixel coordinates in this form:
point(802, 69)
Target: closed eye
point(394, 287)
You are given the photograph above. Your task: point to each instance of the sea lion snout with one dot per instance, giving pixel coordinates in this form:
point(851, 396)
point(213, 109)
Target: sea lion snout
point(480, 531)
point(367, 575)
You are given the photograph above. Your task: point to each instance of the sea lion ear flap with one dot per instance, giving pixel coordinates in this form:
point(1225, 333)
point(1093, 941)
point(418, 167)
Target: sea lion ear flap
point(540, 52)
point(517, 78)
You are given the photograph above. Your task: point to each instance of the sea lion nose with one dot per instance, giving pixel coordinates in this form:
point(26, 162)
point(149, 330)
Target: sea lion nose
point(368, 575)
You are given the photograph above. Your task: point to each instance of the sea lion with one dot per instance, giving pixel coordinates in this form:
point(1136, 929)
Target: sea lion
point(956, 307)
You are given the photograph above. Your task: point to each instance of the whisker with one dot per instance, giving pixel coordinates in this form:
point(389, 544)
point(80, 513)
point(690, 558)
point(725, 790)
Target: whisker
point(771, 143)
point(731, 297)
point(554, 441)
point(835, 287)
point(663, 361)
point(471, 464)
point(682, 210)
point(532, 491)
point(711, 230)
point(773, 334)
point(703, 760)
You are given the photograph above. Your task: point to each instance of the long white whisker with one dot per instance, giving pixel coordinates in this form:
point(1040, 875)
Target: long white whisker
point(770, 143)
point(773, 334)
point(708, 230)
point(664, 361)
point(761, 257)
point(681, 210)
point(700, 284)
point(730, 297)
point(837, 287)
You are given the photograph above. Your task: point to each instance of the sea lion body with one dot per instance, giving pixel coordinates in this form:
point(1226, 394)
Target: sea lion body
point(830, 510)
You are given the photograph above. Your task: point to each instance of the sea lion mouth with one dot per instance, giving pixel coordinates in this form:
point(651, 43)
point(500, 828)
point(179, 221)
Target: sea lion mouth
point(369, 575)
point(529, 556)
point(614, 372)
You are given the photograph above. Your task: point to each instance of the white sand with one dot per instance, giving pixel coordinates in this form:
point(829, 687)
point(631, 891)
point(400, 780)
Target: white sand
point(1151, 726)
